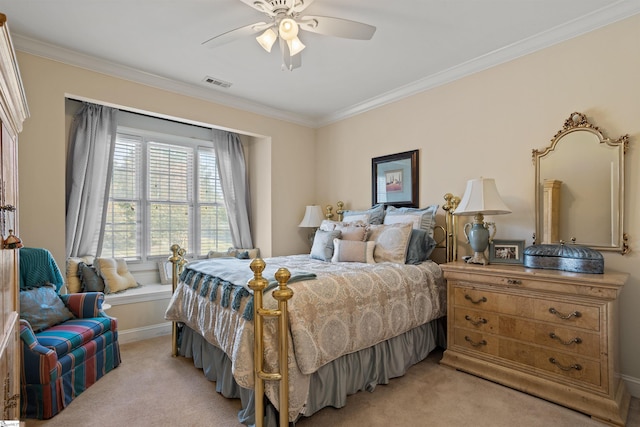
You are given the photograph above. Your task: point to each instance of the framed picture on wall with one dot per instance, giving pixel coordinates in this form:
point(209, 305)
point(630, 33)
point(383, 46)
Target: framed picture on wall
point(394, 179)
point(506, 251)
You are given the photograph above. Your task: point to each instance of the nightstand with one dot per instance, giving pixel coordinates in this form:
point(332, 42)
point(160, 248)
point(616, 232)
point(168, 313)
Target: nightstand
point(549, 333)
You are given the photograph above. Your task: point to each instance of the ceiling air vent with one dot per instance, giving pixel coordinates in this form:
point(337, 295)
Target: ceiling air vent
point(216, 82)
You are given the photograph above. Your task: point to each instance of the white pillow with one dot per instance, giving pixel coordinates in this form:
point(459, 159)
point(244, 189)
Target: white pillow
point(353, 251)
point(116, 275)
point(421, 219)
point(391, 242)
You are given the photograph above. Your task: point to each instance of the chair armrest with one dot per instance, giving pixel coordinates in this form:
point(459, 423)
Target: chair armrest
point(84, 305)
point(39, 363)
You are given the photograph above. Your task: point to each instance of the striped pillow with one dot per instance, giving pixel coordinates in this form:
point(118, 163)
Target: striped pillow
point(353, 251)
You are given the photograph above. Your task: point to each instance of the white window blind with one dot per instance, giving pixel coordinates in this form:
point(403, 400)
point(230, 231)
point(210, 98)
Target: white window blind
point(164, 192)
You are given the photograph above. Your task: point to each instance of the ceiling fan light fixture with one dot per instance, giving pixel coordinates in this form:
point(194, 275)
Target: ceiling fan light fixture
point(288, 29)
point(267, 39)
point(295, 46)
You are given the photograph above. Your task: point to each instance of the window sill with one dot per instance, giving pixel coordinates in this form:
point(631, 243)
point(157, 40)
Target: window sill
point(150, 292)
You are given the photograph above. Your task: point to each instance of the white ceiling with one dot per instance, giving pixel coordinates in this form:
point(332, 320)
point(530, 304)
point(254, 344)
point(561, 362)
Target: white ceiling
point(418, 44)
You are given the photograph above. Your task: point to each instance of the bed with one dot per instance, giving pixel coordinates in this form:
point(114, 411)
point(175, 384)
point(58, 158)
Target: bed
point(351, 325)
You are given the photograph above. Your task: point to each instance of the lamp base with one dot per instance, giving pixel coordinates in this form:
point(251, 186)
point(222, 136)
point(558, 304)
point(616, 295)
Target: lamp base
point(478, 258)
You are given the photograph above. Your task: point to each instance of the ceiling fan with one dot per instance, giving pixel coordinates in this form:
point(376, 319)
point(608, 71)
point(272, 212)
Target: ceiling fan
point(285, 20)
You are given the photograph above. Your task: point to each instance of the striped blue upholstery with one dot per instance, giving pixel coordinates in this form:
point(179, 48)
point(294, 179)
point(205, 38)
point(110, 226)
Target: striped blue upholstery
point(61, 362)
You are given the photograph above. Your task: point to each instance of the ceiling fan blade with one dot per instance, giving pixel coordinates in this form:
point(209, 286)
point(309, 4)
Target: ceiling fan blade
point(301, 5)
point(289, 62)
point(260, 6)
point(232, 35)
point(338, 27)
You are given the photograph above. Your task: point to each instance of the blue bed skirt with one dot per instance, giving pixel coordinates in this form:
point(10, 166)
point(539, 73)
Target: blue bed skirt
point(332, 383)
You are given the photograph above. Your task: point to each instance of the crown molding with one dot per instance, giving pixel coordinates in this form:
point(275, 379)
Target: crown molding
point(608, 15)
point(615, 12)
point(87, 62)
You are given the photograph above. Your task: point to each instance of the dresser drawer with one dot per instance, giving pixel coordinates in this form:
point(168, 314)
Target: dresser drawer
point(568, 314)
point(476, 341)
point(570, 366)
point(476, 320)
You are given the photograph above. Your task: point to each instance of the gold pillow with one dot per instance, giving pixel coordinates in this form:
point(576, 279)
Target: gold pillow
point(74, 285)
point(115, 274)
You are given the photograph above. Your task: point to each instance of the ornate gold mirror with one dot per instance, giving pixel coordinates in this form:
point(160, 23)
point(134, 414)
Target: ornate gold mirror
point(580, 187)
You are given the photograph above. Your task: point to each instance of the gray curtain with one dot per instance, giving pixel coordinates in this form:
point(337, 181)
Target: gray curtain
point(89, 161)
point(235, 185)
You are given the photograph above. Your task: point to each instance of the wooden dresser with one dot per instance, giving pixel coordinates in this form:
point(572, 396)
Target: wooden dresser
point(13, 111)
point(549, 333)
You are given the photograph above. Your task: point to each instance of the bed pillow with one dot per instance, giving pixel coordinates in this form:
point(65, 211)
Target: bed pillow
point(353, 251)
point(116, 275)
point(374, 215)
point(352, 232)
point(422, 219)
point(420, 247)
point(42, 307)
point(89, 278)
point(322, 248)
point(216, 254)
point(391, 242)
point(330, 225)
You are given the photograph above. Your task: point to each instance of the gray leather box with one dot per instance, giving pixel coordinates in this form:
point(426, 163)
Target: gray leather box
point(576, 258)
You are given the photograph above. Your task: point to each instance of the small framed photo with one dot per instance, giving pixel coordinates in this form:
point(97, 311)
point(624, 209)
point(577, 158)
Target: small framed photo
point(165, 269)
point(506, 251)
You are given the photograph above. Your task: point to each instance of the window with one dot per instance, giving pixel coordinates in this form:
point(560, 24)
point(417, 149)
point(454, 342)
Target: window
point(164, 190)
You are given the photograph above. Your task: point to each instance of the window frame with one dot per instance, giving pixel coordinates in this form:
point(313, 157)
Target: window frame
point(194, 203)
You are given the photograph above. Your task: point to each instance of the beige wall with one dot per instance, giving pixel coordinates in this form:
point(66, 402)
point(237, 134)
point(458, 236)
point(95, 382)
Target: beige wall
point(483, 125)
point(278, 200)
point(488, 123)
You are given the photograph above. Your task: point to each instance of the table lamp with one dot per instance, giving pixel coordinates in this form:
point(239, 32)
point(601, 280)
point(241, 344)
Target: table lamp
point(313, 217)
point(480, 198)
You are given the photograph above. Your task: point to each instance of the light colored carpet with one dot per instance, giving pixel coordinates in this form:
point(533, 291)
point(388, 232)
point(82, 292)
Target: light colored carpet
point(151, 388)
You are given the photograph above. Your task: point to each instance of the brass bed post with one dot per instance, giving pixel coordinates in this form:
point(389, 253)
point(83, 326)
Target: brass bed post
point(451, 243)
point(282, 294)
point(177, 263)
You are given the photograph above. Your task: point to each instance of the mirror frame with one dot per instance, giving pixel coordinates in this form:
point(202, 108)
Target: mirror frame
point(577, 122)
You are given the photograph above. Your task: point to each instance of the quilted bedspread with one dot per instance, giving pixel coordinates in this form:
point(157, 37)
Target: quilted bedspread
point(346, 308)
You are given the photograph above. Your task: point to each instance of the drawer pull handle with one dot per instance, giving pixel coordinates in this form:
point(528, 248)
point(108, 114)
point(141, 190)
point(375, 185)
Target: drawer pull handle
point(575, 366)
point(473, 343)
point(478, 301)
point(514, 282)
point(576, 340)
point(480, 320)
point(565, 316)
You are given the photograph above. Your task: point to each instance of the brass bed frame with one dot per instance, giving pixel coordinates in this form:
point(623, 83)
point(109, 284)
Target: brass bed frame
point(283, 294)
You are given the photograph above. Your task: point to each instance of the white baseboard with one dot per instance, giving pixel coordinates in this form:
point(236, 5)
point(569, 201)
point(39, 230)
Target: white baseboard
point(143, 333)
point(633, 385)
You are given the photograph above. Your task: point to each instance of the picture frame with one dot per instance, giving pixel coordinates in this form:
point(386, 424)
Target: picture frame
point(394, 179)
point(165, 268)
point(506, 251)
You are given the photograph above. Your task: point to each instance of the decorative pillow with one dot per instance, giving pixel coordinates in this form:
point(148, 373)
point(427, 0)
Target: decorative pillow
point(214, 254)
point(391, 242)
point(249, 253)
point(42, 307)
point(374, 215)
point(90, 279)
point(422, 219)
point(329, 225)
point(116, 275)
point(74, 285)
point(352, 232)
point(353, 251)
point(322, 248)
point(420, 247)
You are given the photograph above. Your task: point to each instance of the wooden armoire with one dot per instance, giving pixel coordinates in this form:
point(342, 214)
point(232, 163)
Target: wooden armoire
point(13, 112)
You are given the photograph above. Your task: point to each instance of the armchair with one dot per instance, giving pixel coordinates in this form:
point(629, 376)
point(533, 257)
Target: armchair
point(62, 360)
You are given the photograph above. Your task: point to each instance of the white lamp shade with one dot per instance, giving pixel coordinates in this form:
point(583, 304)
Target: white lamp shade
point(267, 39)
point(312, 217)
point(481, 196)
point(288, 29)
point(295, 46)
